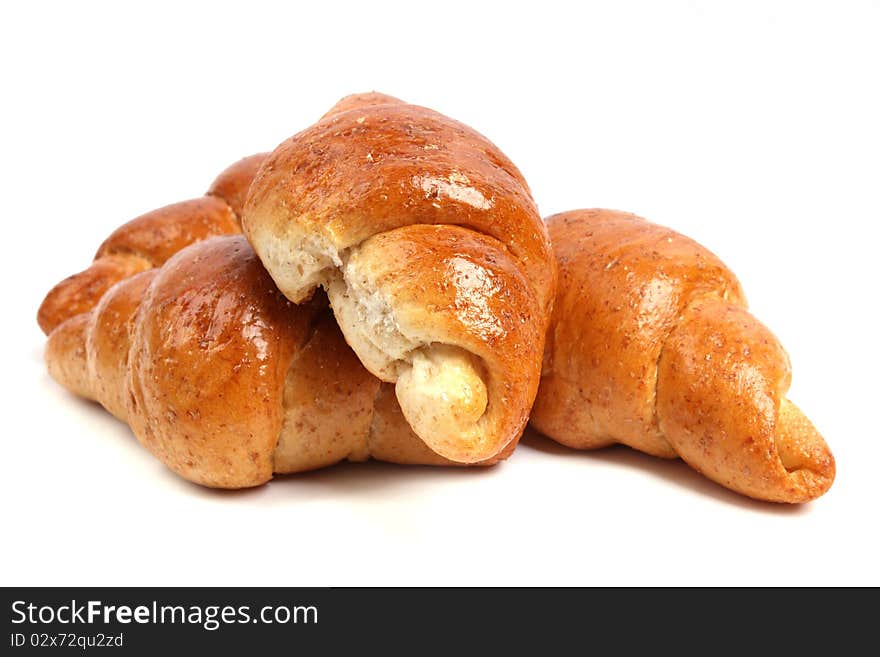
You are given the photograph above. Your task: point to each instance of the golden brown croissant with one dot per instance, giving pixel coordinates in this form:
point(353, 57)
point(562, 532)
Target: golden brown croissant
point(434, 257)
point(149, 240)
point(651, 345)
point(223, 379)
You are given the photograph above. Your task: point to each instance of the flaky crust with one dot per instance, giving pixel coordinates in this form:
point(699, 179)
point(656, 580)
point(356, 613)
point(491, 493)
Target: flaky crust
point(651, 345)
point(225, 380)
point(380, 185)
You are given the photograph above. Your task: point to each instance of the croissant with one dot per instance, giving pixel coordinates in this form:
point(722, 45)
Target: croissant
point(226, 381)
point(434, 257)
point(651, 345)
point(149, 240)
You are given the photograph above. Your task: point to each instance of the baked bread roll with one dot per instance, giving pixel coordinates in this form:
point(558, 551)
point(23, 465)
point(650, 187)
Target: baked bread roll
point(434, 257)
point(651, 345)
point(223, 379)
point(149, 240)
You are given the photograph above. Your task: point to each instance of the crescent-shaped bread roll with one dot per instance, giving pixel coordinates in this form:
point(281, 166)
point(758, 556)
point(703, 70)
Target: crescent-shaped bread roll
point(651, 345)
point(226, 381)
point(434, 257)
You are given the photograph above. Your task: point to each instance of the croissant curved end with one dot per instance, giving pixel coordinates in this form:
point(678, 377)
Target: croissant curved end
point(439, 386)
point(443, 397)
point(80, 292)
point(804, 454)
point(66, 356)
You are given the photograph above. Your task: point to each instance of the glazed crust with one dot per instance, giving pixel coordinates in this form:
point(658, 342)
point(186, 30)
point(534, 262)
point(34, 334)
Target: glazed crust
point(233, 183)
point(209, 354)
point(374, 163)
point(219, 375)
point(651, 345)
point(149, 240)
point(107, 342)
point(223, 379)
point(374, 202)
point(458, 289)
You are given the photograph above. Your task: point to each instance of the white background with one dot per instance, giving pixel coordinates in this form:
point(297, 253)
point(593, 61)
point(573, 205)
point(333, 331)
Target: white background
point(752, 127)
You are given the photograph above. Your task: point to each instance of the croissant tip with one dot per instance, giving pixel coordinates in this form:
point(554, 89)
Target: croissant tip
point(804, 454)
